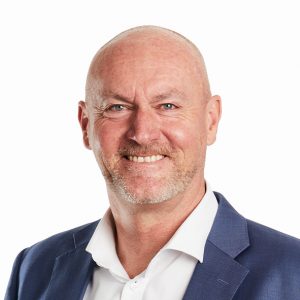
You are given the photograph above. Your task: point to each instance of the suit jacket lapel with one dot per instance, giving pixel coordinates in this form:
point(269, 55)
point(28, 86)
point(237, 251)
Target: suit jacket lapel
point(72, 270)
point(220, 275)
point(70, 276)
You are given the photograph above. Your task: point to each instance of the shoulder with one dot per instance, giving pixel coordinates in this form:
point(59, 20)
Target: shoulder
point(266, 246)
point(258, 230)
point(274, 243)
point(33, 266)
point(44, 253)
point(273, 259)
point(259, 234)
point(62, 242)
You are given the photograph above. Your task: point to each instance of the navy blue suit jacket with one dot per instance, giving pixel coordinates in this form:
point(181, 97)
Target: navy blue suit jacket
point(242, 261)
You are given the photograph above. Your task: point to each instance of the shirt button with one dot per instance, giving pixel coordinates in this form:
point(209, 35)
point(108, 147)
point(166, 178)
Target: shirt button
point(134, 285)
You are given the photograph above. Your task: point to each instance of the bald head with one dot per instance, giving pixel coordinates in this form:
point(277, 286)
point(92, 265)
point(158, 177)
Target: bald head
point(148, 99)
point(151, 42)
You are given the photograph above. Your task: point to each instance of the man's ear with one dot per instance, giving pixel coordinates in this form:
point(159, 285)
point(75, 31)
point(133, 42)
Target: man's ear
point(84, 123)
point(214, 112)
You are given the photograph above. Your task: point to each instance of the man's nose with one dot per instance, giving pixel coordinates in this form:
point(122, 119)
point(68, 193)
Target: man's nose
point(144, 126)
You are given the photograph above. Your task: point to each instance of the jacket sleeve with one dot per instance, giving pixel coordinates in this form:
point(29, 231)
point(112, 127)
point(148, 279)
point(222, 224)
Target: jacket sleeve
point(13, 284)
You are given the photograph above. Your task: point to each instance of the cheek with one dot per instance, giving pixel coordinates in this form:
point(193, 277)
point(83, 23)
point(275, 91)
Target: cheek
point(189, 136)
point(107, 139)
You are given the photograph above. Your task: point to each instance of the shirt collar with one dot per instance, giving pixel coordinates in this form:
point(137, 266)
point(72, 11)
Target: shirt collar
point(191, 236)
point(102, 246)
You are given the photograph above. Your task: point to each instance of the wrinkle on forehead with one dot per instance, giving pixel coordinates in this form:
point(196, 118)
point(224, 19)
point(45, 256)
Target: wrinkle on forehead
point(151, 40)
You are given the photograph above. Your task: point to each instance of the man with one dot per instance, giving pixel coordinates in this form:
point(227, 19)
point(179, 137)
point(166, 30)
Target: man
point(148, 118)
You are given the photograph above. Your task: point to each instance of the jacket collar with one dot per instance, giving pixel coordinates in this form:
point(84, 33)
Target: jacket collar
point(73, 269)
point(82, 236)
point(229, 232)
point(220, 275)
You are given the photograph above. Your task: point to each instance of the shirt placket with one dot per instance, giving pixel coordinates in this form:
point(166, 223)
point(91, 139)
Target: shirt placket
point(134, 289)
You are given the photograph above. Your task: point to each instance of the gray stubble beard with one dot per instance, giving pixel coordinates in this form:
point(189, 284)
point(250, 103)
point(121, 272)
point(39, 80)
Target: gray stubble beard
point(175, 185)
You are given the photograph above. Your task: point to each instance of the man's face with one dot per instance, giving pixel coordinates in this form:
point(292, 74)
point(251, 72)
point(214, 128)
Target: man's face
point(148, 126)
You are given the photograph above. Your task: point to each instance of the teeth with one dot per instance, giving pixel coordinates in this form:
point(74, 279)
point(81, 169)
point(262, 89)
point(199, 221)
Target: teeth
point(146, 159)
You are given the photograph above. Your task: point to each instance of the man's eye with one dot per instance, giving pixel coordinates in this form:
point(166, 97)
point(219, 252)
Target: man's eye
point(116, 107)
point(168, 106)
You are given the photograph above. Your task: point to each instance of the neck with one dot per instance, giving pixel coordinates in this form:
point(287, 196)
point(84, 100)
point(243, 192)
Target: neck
point(142, 230)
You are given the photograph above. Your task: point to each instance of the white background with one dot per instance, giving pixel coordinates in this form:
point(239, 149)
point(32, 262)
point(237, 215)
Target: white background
point(50, 183)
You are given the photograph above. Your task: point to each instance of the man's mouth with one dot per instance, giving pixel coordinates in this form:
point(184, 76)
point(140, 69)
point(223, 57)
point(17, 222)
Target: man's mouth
point(145, 159)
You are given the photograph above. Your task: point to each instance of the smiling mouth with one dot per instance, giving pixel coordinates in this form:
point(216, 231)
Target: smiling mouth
point(145, 159)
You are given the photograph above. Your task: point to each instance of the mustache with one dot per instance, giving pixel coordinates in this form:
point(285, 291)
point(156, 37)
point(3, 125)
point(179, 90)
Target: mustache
point(134, 149)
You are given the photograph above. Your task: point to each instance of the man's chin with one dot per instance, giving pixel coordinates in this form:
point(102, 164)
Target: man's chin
point(144, 199)
point(151, 188)
point(150, 192)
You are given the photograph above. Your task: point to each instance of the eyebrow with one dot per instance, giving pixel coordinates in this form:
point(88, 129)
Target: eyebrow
point(170, 93)
point(110, 94)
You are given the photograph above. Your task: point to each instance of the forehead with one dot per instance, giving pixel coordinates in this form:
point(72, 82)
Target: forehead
point(153, 61)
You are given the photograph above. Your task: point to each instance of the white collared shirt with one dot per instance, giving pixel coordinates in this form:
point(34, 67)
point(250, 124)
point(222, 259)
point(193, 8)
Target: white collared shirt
point(169, 272)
